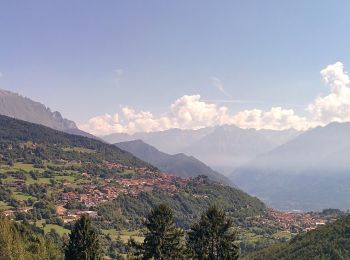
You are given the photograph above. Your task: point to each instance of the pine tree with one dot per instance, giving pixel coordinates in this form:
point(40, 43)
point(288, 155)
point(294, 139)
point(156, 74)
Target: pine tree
point(212, 237)
point(11, 245)
point(163, 239)
point(83, 241)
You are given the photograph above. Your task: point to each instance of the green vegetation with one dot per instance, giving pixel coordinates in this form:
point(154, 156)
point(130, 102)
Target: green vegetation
point(4, 206)
point(163, 240)
point(331, 241)
point(21, 242)
point(124, 235)
point(48, 227)
point(33, 143)
point(83, 241)
point(213, 237)
point(39, 165)
point(187, 205)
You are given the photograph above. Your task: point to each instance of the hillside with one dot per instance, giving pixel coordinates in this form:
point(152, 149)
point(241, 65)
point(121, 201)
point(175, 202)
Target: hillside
point(26, 141)
point(331, 241)
point(308, 173)
point(50, 178)
point(178, 164)
point(16, 106)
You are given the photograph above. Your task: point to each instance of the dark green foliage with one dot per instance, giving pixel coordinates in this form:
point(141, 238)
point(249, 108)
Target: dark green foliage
point(5, 194)
point(212, 237)
point(163, 240)
point(22, 241)
point(83, 241)
point(331, 241)
point(186, 205)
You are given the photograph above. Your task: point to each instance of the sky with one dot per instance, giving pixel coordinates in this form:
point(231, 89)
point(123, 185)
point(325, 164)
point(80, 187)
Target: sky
point(128, 66)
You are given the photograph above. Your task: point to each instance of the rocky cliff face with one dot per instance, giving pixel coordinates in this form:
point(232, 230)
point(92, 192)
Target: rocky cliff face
point(17, 106)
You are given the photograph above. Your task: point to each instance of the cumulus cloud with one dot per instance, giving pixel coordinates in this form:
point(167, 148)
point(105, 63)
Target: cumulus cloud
point(191, 112)
point(276, 118)
point(103, 125)
point(336, 105)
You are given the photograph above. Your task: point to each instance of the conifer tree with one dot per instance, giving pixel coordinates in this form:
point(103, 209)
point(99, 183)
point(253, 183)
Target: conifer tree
point(212, 237)
point(11, 246)
point(83, 241)
point(163, 239)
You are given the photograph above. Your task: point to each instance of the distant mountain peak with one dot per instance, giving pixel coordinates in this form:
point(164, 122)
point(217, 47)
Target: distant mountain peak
point(17, 106)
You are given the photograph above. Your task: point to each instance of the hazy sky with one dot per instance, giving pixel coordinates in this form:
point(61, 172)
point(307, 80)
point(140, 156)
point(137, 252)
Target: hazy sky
point(88, 58)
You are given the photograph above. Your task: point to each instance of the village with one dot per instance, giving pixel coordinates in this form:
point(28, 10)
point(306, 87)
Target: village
point(294, 222)
point(93, 190)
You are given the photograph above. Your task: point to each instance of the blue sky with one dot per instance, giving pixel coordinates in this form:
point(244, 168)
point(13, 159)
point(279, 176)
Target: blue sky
point(88, 58)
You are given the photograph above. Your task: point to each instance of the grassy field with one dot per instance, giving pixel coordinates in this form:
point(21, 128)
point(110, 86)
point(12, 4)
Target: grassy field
point(124, 235)
point(282, 235)
point(21, 197)
point(249, 236)
point(26, 167)
point(4, 206)
point(63, 177)
point(78, 149)
point(60, 230)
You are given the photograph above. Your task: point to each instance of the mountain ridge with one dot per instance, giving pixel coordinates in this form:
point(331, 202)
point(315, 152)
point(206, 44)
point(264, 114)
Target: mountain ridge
point(20, 107)
point(219, 147)
point(179, 164)
point(308, 172)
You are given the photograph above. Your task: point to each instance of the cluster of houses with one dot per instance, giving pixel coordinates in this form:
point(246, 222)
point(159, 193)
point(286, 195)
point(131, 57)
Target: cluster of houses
point(92, 192)
point(72, 215)
point(10, 212)
point(294, 222)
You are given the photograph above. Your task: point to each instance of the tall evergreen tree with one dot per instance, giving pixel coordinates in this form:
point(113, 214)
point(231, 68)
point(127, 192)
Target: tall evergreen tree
point(213, 237)
point(11, 245)
point(163, 239)
point(83, 241)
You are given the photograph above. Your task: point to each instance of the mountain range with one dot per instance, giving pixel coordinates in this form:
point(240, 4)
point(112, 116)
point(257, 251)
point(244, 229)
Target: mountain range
point(310, 172)
point(286, 169)
point(177, 164)
point(223, 148)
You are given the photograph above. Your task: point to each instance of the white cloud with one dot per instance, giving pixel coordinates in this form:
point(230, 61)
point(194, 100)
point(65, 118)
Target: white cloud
point(336, 105)
point(103, 125)
point(276, 118)
point(191, 112)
